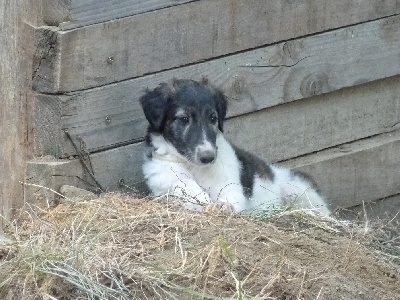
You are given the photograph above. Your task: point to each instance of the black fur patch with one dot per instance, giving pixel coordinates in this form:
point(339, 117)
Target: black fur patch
point(251, 166)
point(307, 178)
point(149, 149)
point(155, 104)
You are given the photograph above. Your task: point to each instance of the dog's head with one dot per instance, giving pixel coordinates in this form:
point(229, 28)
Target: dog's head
point(188, 114)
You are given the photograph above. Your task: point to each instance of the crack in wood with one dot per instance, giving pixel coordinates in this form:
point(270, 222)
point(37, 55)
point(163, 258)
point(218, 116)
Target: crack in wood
point(44, 60)
point(275, 66)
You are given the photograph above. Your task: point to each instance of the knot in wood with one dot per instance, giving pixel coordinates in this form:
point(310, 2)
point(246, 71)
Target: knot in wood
point(314, 84)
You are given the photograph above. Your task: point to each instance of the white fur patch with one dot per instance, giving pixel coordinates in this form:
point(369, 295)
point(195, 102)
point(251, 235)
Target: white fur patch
point(286, 190)
point(205, 146)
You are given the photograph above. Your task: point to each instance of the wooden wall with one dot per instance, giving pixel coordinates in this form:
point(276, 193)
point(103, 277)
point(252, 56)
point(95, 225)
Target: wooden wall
point(314, 83)
point(17, 19)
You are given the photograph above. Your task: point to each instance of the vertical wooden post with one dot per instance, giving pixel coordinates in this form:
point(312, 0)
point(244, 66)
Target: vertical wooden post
point(17, 21)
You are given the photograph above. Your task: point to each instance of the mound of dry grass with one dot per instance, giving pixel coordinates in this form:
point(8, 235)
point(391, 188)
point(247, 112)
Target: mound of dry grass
point(122, 247)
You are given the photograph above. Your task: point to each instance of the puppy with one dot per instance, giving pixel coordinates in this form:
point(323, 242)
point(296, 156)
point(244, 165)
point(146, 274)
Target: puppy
point(188, 156)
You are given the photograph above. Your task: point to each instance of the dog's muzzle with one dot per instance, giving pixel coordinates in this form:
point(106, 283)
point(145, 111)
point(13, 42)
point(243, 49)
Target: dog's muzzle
point(207, 157)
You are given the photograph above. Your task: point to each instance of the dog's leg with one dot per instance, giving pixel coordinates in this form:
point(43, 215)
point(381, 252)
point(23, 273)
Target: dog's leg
point(238, 201)
point(195, 197)
point(164, 177)
point(232, 194)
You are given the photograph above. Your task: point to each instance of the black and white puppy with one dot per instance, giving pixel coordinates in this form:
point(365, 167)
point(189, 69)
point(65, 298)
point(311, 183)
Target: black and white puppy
point(188, 156)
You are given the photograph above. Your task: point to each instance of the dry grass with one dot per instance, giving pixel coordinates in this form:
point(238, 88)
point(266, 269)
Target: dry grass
point(122, 247)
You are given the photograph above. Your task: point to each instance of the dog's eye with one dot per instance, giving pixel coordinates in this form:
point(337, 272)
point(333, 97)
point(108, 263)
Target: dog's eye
point(213, 119)
point(184, 120)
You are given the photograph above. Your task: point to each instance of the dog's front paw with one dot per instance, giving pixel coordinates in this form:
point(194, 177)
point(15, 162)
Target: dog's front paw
point(219, 208)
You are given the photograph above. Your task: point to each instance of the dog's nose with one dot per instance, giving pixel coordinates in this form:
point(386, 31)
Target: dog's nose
point(207, 157)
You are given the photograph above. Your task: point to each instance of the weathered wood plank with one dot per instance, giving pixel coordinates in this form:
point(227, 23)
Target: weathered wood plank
point(319, 122)
point(111, 168)
point(130, 47)
point(362, 171)
point(16, 40)
point(45, 60)
point(348, 175)
point(32, 13)
point(85, 114)
point(77, 13)
point(48, 131)
point(383, 209)
point(45, 175)
point(123, 164)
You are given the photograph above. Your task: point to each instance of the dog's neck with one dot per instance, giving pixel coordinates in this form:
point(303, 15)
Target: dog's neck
point(167, 157)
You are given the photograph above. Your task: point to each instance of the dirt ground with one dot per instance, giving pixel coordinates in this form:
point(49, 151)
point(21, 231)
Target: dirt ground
point(123, 247)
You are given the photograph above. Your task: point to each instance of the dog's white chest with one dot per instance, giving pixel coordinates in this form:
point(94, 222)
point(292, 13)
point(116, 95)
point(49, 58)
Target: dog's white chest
point(221, 180)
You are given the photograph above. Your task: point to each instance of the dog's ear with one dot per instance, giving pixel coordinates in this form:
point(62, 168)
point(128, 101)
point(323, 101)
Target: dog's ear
point(155, 105)
point(222, 104)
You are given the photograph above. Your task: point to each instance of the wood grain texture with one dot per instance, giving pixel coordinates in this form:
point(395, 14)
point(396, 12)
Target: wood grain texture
point(45, 70)
point(361, 171)
point(48, 134)
point(320, 122)
point(45, 175)
point(386, 209)
point(123, 163)
point(325, 63)
point(109, 168)
point(16, 40)
point(147, 43)
point(76, 13)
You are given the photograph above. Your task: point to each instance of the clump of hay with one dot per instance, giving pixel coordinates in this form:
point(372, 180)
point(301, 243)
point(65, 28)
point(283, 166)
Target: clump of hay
point(124, 247)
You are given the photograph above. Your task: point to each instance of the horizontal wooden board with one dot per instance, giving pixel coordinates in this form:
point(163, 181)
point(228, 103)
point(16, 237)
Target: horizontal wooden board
point(276, 133)
point(120, 165)
point(362, 171)
point(320, 122)
point(112, 169)
point(346, 57)
point(384, 209)
point(45, 176)
point(76, 13)
point(348, 175)
point(147, 43)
